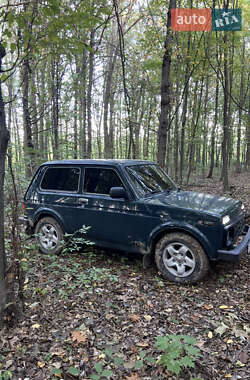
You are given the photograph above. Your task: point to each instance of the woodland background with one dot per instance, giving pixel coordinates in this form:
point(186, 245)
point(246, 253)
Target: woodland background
point(110, 79)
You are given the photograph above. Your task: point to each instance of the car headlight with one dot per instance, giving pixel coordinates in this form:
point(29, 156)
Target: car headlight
point(242, 207)
point(225, 219)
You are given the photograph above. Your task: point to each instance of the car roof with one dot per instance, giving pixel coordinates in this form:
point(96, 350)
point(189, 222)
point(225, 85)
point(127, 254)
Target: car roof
point(106, 162)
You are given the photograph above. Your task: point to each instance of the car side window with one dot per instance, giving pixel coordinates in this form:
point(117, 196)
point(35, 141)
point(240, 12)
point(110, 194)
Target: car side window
point(100, 181)
point(61, 179)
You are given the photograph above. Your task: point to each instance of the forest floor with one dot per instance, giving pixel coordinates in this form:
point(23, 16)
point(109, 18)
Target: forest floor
point(97, 315)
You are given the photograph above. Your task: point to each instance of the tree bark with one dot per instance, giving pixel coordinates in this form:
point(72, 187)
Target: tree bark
point(55, 107)
point(89, 95)
point(248, 137)
point(112, 53)
point(28, 141)
point(184, 111)
point(225, 143)
point(4, 139)
point(194, 129)
point(241, 103)
point(211, 168)
point(83, 105)
point(165, 91)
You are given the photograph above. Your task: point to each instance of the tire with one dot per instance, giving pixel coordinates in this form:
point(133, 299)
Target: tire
point(49, 236)
point(181, 259)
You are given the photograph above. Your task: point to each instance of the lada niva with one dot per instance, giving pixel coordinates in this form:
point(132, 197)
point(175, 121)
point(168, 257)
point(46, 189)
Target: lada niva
point(134, 206)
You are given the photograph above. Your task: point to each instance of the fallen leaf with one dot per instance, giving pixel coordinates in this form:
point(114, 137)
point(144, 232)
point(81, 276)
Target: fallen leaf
point(239, 333)
point(210, 334)
point(229, 341)
point(78, 337)
point(134, 376)
point(58, 352)
point(142, 344)
point(36, 326)
point(208, 307)
point(134, 317)
point(221, 329)
point(148, 317)
point(129, 365)
point(223, 307)
point(228, 375)
point(40, 364)
point(240, 364)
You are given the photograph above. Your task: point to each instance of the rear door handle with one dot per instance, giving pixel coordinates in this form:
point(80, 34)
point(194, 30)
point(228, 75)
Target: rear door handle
point(83, 201)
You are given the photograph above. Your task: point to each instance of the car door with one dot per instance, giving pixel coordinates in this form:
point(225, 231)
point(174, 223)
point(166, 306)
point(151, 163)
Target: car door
point(117, 223)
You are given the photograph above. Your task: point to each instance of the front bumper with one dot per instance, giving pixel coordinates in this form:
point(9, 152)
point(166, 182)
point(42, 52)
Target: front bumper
point(235, 253)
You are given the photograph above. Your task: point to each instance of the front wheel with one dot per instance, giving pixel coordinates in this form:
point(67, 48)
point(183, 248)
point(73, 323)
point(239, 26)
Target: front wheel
point(49, 235)
point(180, 258)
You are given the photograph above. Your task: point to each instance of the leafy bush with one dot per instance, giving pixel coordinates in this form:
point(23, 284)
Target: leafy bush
point(179, 352)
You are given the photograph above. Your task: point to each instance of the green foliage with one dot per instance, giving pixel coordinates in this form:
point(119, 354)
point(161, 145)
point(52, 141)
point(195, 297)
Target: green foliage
point(5, 375)
point(101, 372)
point(74, 242)
point(73, 371)
point(56, 373)
point(179, 352)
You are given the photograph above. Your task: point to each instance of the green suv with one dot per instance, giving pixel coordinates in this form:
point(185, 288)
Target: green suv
point(134, 206)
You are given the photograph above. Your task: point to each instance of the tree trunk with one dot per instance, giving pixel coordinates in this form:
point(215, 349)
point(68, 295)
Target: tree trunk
point(241, 102)
point(4, 139)
point(89, 95)
point(184, 111)
point(28, 141)
point(211, 168)
point(55, 107)
point(112, 53)
point(83, 105)
point(41, 107)
point(194, 129)
point(165, 91)
point(248, 137)
point(205, 118)
point(225, 143)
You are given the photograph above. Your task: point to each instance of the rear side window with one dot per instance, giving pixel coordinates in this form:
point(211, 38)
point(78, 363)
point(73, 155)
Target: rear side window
point(61, 179)
point(100, 181)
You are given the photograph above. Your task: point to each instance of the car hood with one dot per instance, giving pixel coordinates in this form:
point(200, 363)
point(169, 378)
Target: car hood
point(201, 202)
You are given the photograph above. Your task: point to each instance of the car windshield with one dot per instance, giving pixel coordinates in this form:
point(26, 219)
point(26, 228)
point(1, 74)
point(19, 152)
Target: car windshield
point(149, 179)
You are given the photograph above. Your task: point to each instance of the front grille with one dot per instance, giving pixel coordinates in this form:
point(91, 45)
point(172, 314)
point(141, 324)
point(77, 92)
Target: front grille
point(234, 231)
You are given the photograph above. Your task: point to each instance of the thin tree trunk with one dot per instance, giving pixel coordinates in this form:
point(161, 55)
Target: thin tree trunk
point(184, 111)
point(41, 108)
point(241, 102)
point(55, 107)
point(89, 95)
point(225, 143)
point(194, 129)
point(204, 147)
point(211, 168)
point(248, 136)
point(28, 141)
point(112, 53)
point(83, 104)
point(165, 91)
point(4, 139)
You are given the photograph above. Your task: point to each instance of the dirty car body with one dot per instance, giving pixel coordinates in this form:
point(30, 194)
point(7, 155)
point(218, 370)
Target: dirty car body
point(134, 206)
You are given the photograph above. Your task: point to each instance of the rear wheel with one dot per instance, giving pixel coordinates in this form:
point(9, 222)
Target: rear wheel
point(180, 258)
point(49, 235)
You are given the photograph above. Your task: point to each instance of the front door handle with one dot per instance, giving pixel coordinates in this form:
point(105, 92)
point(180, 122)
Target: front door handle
point(83, 201)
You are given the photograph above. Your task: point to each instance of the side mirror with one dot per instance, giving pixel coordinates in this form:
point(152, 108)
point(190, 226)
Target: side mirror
point(118, 192)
